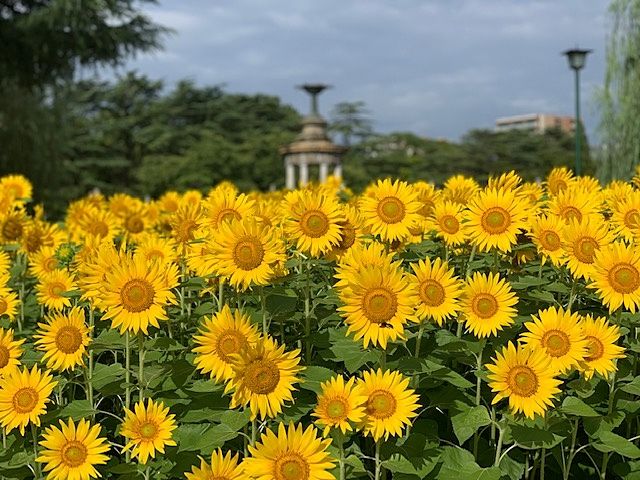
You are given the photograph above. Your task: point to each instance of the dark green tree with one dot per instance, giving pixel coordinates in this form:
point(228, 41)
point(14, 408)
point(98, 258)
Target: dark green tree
point(351, 121)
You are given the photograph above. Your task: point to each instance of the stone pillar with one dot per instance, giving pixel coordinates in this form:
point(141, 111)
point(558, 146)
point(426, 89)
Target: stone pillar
point(304, 171)
point(290, 175)
point(337, 171)
point(324, 171)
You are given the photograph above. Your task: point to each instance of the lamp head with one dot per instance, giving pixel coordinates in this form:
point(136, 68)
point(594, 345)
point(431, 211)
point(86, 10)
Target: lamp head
point(577, 57)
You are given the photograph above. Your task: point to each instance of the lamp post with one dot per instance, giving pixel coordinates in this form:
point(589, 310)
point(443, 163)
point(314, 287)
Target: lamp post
point(577, 58)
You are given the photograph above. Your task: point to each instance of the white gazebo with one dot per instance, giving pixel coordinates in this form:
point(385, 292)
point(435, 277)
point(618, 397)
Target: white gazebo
point(312, 146)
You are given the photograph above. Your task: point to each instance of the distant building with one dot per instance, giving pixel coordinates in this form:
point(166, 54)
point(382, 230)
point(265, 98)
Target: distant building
point(536, 122)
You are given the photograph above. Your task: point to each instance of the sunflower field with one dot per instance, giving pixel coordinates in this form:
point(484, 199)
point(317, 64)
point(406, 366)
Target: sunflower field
point(476, 332)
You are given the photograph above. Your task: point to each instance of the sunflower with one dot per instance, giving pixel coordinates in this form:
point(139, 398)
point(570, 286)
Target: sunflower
point(391, 210)
point(495, 218)
point(220, 337)
point(155, 248)
point(224, 205)
point(71, 452)
point(378, 302)
point(169, 202)
point(17, 186)
point(617, 191)
point(245, 252)
point(448, 217)
point(185, 222)
point(10, 351)
point(339, 403)
point(136, 292)
point(64, 339)
point(507, 181)
point(292, 454)
point(546, 232)
point(574, 204)
point(390, 404)
point(616, 276)
point(52, 287)
point(43, 262)
point(581, 241)
point(559, 179)
point(351, 232)
point(12, 226)
point(313, 221)
point(559, 335)
point(23, 397)
point(222, 467)
point(97, 222)
point(147, 428)
point(263, 377)
point(361, 257)
point(460, 189)
point(438, 290)
point(487, 304)
point(601, 347)
point(38, 234)
point(532, 192)
point(5, 261)
point(525, 377)
point(8, 303)
point(625, 217)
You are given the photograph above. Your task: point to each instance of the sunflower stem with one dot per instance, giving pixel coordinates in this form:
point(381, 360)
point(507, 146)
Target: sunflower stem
point(612, 395)
point(127, 379)
point(476, 436)
point(419, 339)
point(220, 293)
point(141, 354)
point(378, 469)
point(254, 431)
point(147, 473)
point(90, 363)
point(21, 316)
point(574, 435)
point(36, 465)
point(341, 457)
point(263, 307)
point(572, 295)
point(499, 447)
point(307, 314)
point(543, 457)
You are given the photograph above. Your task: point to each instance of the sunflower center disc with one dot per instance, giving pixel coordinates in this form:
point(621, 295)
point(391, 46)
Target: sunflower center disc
point(74, 454)
point(50, 264)
point(587, 247)
point(556, 342)
point(230, 342)
point(291, 466)
point(137, 295)
point(134, 224)
point(184, 231)
point(496, 220)
point(432, 293)
point(391, 210)
point(3, 306)
point(4, 356)
point(68, 339)
point(336, 408)
point(314, 223)
point(248, 253)
point(148, 430)
point(25, 400)
point(450, 224)
point(624, 278)
point(12, 229)
point(485, 305)
point(379, 305)
point(550, 241)
point(572, 213)
point(347, 236)
point(632, 218)
point(227, 215)
point(523, 381)
point(595, 349)
point(262, 377)
point(99, 229)
point(381, 404)
point(57, 289)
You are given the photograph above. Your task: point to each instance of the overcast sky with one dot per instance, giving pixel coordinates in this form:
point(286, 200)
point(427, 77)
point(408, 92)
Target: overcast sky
point(434, 67)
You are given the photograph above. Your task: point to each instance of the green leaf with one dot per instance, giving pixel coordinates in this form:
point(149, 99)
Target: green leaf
point(633, 387)
point(612, 442)
point(314, 376)
point(533, 437)
point(459, 464)
point(351, 353)
point(277, 303)
point(467, 422)
point(575, 406)
point(107, 379)
point(77, 410)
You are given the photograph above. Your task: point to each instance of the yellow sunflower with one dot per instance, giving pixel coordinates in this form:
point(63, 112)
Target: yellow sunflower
point(71, 452)
point(448, 221)
point(559, 335)
point(495, 218)
point(12, 226)
point(8, 303)
point(617, 191)
point(616, 276)
point(438, 290)
point(390, 404)
point(23, 397)
point(506, 181)
point(574, 204)
point(98, 223)
point(219, 338)
point(17, 186)
point(52, 287)
point(148, 429)
point(581, 241)
point(487, 304)
point(245, 252)
point(224, 205)
point(559, 179)
point(313, 221)
point(391, 210)
point(136, 292)
point(64, 339)
point(460, 189)
point(156, 248)
point(625, 217)
point(292, 454)
point(546, 232)
point(601, 347)
point(351, 233)
point(361, 257)
point(525, 377)
point(169, 202)
point(39, 234)
point(222, 467)
point(378, 302)
point(43, 262)
point(185, 222)
point(532, 192)
point(340, 404)
point(263, 378)
point(10, 351)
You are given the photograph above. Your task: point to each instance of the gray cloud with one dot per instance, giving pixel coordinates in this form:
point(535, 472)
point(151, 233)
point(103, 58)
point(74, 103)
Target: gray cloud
point(437, 68)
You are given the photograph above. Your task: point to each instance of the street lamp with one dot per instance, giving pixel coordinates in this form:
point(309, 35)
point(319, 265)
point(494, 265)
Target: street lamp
point(577, 58)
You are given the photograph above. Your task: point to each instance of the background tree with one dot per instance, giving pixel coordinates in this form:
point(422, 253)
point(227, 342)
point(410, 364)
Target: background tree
point(351, 121)
point(620, 97)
